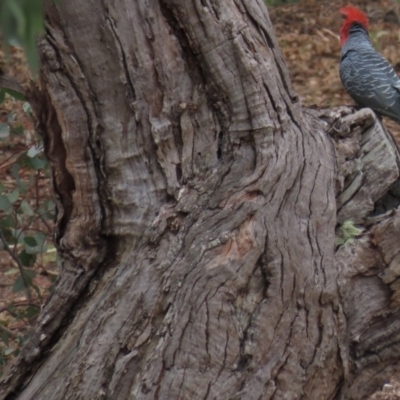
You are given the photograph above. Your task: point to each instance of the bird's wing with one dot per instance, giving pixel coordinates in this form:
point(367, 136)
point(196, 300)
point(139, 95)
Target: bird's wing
point(371, 81)
point(386, 75)
point(373, 77)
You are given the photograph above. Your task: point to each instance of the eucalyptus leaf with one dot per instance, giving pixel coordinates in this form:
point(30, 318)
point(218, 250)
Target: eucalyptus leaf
point(26, 208)
point(36, 244)
point(13, 196)
point(19, 285)
point(5, 204)
point(34, 151)
point(27, 108)
point(14, 94)
point(27, 260)
point(30, 241)
point(37, 162)
point(8, 351)
point(4, 131)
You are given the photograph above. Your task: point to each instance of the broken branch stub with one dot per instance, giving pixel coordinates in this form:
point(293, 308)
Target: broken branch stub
point(368, 165)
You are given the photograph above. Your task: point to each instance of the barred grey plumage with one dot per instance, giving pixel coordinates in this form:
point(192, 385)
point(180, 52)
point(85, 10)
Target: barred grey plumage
point(368, 77)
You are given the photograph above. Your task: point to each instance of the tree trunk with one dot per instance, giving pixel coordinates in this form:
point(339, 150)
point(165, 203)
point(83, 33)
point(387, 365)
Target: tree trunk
point(197, 207)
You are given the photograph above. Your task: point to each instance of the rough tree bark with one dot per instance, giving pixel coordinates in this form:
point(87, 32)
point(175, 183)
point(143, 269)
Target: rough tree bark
point(202, 213)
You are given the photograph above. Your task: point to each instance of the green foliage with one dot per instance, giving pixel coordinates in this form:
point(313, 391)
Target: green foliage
point(21, 22)
point(25, 215)
point(25, 229)
point(347, 233)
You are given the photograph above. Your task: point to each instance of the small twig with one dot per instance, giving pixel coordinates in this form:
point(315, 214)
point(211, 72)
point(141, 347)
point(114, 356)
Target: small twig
point(16, 315)
point(6, 163)
point(48, 272)
point(22, 303)
point(18, 261)
point(45, 222)
point(329, 32)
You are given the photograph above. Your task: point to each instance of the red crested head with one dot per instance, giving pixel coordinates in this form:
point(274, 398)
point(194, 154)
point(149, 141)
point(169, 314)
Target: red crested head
point(353, 15)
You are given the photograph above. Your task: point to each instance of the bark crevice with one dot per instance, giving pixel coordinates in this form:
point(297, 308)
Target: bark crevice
point(203, 202)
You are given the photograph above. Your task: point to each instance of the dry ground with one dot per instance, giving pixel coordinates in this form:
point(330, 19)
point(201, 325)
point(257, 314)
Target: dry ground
point(308, 32)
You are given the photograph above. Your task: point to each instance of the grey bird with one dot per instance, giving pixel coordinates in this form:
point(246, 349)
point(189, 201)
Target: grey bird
point(367, 76)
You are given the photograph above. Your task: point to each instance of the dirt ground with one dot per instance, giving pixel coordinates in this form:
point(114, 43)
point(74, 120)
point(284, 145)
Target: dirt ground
point(308, 32)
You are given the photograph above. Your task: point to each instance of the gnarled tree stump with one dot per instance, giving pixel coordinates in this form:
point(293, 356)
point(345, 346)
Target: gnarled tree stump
point(218, 240)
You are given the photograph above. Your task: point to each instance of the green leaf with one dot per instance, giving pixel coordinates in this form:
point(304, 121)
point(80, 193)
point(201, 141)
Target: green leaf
point(14, 94)
point(36, 162)
point(32, 311)
point(23, 187)
point(47, 211)
point(11, 117)
point(17, 130)
point(5, 204)
point(27, 108)
point(7, 222)
point(4, 336)
point(17, 13)
point(15, 173)
point(36, 244)
point(4, 131)
point(30, 241)
point(26, 208)
point(7, 236)
point(34, 151)
point(8, 351)
point(27, 260)
point(19, 285)
point(2, 96)
point(18, 234)
point(15, 170)
point(13, 196)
